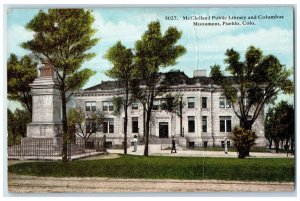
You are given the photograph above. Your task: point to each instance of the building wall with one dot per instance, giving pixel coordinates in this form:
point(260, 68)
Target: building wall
point(213, 136)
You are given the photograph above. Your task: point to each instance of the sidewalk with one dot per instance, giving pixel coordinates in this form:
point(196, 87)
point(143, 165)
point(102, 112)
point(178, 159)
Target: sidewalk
point(155, 150)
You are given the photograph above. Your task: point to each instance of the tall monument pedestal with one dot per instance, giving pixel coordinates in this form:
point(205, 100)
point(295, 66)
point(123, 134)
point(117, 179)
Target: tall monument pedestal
point(46, 105)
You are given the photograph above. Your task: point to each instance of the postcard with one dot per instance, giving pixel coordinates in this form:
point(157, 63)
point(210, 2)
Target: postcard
point(150, 99)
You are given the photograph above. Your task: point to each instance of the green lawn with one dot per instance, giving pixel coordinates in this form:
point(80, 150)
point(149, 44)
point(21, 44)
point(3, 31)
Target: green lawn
point(250, 169)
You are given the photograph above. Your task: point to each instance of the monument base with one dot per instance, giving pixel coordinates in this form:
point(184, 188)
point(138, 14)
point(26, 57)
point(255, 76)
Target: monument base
point(44, 130)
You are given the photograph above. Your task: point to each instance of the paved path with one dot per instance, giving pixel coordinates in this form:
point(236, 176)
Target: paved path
point(155, 150)
point(25, 184)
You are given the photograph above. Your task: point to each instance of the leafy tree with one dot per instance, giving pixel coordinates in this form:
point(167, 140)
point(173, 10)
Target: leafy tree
point(253, 83)
point(153, 52)
point(64, 36)
point(11, 128)
point(243, 140)
point(22, 118)
point(17, 124)
point(280, 125)
point(21, 73)
point(122, 60)
point(84, 127)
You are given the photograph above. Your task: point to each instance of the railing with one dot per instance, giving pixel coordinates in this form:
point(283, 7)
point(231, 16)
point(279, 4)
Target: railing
point(52, 147)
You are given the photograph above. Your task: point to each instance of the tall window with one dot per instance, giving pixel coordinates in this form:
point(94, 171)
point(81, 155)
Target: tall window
point(108, 125)
point(225, 124)
point(224, 103)
point(91, 126)
point(107, 106)
point(135, 124)
point(134, 105)
point(191, 124)
point(191, 102)
point(90, 106)
point(204, 102)
point(204, 123)
point(228, 103)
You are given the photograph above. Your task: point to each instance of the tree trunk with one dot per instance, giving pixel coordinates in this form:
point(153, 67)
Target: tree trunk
point(144, 122)
point(180, 115)
point(146, 150)
point(270, 145)
point(125, 123)
point(277, 146)
point(247, 125)
point(65, 128)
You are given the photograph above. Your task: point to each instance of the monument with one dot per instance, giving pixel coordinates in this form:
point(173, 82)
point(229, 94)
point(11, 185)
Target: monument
point(46, 105)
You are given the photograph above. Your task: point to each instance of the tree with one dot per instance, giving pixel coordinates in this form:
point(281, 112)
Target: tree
point(253, 83)
point(17, 124)
point(280, 125)
point(21, 73)
point(84, 127)
point(11, 128)
point(122, 60)
point(22, 118)
point(64, 36)
point(243, 140)
point(153, 52)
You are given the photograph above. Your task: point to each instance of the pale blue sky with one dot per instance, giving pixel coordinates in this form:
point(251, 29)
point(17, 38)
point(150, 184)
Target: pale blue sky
point(205, 45)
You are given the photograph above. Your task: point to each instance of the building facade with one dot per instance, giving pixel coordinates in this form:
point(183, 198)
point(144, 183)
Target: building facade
point(207, 117)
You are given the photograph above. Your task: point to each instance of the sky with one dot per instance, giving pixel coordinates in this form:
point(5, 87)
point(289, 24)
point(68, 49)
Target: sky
point(205, 45)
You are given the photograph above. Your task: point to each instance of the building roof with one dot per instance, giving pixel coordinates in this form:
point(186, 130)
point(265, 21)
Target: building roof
point(173, 78)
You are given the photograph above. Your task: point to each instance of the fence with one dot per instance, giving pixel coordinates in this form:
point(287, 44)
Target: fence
point(52, 147)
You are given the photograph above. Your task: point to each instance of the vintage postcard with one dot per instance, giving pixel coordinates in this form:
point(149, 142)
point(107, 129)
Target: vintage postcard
point(150, 99)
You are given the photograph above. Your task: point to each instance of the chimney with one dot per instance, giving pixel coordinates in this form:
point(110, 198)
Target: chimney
point(200, 73)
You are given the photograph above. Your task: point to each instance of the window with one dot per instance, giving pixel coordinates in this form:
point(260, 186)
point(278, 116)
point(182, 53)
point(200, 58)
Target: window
point(225, 124)
point(159, 104)
point(191, 102)
point(90, 106)
point(108, 125)
point(162, 104)
point(107, 106)
point(204, 123)
point(228, 144)
point(223, 144)
point(134, 105)
point(224, 102)
point(91, 126)
point(155, 104)
point(204, 102)
point(191, 124)
point(135, 124)
point(228, 104)
point(205, 144)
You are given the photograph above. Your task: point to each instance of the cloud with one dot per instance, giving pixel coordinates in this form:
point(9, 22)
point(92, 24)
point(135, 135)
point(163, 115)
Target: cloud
point(17, 34)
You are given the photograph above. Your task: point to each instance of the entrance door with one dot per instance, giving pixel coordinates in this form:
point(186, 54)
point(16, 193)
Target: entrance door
point(163, 129)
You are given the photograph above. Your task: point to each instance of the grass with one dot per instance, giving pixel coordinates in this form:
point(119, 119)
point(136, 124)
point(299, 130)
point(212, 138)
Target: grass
point(250, 169)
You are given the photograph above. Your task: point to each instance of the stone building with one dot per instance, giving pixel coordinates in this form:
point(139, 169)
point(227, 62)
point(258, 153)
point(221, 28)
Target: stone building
point(207, 117)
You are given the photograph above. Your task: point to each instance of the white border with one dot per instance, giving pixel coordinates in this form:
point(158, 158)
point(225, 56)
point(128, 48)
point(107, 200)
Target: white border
point(177, 3)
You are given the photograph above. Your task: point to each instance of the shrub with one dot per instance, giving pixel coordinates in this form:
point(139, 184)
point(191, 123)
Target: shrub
point(243, 140)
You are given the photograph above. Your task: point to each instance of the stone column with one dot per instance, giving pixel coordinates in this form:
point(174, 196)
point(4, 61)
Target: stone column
point(46, 105)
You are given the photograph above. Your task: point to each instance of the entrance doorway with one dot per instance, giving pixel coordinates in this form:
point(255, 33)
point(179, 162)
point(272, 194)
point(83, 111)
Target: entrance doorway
point(163, 130)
